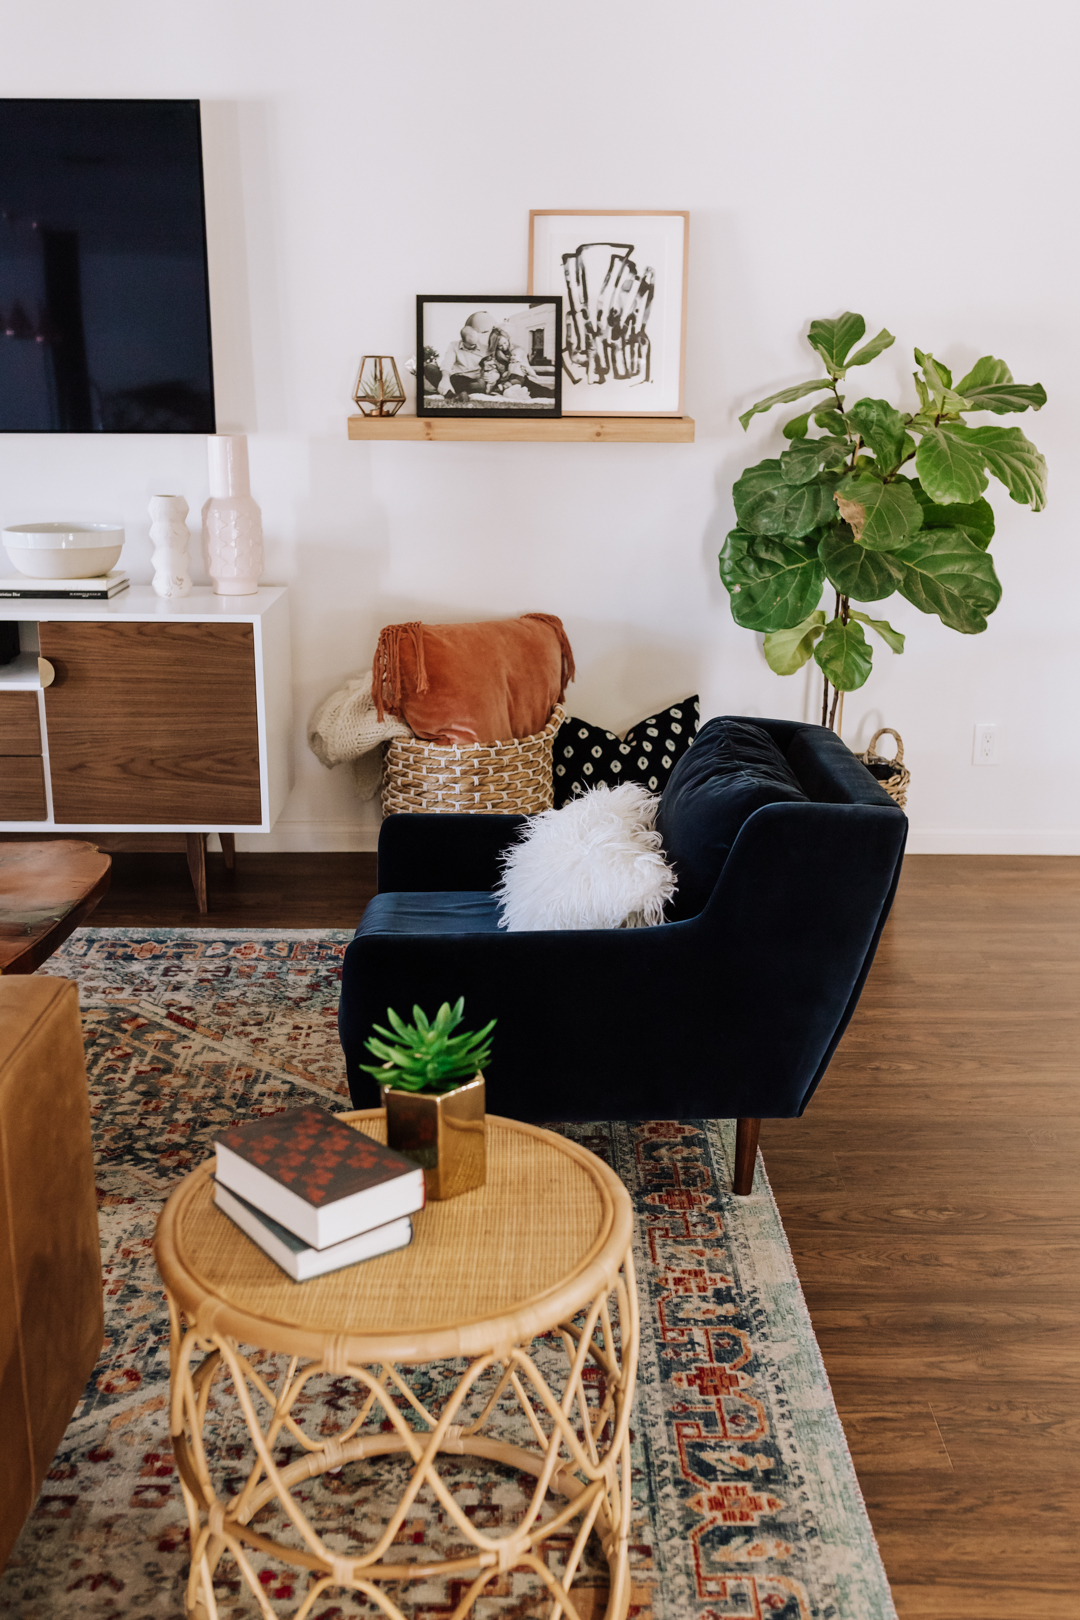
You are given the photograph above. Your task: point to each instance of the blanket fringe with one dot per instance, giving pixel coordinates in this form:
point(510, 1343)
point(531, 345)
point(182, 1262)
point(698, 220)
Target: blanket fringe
point(386, 673)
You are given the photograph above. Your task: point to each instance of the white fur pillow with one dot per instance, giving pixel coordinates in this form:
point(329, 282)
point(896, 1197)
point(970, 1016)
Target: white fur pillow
point(596, 863)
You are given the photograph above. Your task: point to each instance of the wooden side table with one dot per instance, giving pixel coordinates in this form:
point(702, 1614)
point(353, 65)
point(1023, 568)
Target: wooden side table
point(46, 891)
point(543, 1248)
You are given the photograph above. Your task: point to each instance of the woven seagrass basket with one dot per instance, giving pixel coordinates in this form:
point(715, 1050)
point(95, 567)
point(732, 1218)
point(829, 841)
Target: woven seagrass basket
point(506, 778)
point(891, 773)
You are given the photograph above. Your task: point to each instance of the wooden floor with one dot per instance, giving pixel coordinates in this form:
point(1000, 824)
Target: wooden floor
point(931, 1196)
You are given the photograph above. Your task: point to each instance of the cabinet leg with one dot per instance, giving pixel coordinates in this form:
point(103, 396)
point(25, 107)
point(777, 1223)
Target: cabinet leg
point(228, 849)
point(196, 859)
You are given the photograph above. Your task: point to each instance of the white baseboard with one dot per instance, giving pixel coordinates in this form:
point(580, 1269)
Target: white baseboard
point(993, 841)
point(311, 838)
point(334, 837)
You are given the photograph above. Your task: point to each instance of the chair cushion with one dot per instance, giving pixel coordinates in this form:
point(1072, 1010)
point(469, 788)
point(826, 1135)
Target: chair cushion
point(460, 911)
point(732, 770)
point(587, 756)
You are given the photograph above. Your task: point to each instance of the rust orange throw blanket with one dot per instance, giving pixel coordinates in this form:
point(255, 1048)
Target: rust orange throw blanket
point(473, 683)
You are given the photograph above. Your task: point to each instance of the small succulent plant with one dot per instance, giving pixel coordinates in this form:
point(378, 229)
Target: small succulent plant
point(427, 1055)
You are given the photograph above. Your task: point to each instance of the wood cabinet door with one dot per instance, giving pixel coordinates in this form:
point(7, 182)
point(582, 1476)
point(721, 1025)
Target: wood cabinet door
point(22, 789)
point(152, 722)
point(22, 780)
point(20, 732)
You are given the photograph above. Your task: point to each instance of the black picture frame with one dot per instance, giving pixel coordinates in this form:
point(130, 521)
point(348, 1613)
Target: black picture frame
point(522, 369)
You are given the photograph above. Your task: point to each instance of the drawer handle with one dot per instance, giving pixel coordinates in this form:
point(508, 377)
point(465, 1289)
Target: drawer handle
point(46, 672)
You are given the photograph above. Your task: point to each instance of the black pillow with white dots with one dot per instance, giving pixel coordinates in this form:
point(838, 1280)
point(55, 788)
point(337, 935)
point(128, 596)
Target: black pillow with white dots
point(587, 756)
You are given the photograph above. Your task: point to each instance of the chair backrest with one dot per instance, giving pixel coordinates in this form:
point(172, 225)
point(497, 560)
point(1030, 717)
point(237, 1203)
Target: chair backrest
point(828, 771)
point(736, 767)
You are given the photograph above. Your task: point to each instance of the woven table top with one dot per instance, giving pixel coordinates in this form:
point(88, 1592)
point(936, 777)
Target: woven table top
point(544, 1236)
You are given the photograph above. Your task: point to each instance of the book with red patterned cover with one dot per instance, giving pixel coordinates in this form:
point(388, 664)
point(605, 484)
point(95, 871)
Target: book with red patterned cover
point(318, 1177)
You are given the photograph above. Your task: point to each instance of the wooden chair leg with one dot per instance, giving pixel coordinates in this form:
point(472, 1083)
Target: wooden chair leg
point(746, 1141)
point(196, 860)
point(228, 849)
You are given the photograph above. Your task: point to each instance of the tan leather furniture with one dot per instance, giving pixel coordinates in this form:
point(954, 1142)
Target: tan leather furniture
point(51, 1323)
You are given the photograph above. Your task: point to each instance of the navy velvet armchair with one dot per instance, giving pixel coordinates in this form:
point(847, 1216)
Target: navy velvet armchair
point(732, 1012)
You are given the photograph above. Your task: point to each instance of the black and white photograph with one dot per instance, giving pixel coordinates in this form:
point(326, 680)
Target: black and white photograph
point(493, 356)
point(623, 282)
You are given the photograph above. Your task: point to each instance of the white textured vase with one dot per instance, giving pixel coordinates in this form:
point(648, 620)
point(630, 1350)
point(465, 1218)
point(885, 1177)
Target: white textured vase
point(232, 523)
point(169, 532)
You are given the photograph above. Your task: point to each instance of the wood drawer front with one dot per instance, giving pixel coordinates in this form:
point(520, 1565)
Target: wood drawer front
point(20, 732)
point(152, 722)
point(22, 788)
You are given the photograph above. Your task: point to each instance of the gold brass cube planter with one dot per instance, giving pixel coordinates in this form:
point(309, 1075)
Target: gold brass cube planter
point(443, 1134)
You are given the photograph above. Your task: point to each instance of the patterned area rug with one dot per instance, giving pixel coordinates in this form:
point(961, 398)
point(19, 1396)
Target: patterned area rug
point(746, 1503)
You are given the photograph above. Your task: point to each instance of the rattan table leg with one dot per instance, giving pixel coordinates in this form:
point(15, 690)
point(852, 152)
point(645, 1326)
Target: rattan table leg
point(578, 1451)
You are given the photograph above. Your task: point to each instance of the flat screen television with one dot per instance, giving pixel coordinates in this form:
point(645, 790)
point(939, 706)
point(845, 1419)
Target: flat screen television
point(104, 303)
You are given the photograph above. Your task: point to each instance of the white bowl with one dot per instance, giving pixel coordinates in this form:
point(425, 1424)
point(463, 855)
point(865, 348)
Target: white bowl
point(64, 550)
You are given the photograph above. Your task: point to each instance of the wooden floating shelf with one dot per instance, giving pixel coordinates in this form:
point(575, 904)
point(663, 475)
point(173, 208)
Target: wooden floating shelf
point(521, 430)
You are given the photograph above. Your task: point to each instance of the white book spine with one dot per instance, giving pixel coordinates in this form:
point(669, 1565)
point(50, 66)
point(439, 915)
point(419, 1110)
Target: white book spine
point(303, 1264)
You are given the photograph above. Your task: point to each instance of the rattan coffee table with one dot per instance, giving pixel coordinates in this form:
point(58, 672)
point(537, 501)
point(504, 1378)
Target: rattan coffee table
point(543, 1249)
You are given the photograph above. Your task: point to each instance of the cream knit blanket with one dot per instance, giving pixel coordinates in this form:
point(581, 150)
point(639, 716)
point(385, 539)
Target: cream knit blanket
point(346, 730)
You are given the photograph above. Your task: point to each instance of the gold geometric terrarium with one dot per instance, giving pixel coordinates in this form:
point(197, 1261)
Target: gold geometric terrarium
point(378, 389)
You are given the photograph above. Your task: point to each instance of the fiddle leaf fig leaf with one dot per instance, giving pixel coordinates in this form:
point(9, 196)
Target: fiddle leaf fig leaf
point(1009, 456)
point(829, 420)
point(881, 516)
point(785, 397)
point(882, 429)
point(892, 638)
point(923, 392)
point(788, 650)
point(866, 576)
point(871, 350)
point(843, 655)
point(989, 386)
point(949, 467)
point(798, 427)
point(941, 571)
point(774, 583)
point(1008, 397)
point(976, 519)
point(939, 377)
point(833, 339)
point(985, 373)
point(766, 503)
point(807, 457)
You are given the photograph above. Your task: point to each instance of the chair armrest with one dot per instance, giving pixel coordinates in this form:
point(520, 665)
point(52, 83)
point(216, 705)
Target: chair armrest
point(425, 854)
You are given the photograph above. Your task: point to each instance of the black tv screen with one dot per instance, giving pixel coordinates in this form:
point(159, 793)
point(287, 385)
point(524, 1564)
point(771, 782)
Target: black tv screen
point(104, 307)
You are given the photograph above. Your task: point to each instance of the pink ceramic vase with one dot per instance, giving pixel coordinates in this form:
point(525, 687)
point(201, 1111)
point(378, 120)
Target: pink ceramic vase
point(232, 522)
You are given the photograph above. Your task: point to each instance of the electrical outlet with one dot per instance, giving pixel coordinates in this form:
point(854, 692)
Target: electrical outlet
point(985, 748)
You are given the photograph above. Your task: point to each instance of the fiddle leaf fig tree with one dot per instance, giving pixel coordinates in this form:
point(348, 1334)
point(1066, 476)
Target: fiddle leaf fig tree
point(835, 510)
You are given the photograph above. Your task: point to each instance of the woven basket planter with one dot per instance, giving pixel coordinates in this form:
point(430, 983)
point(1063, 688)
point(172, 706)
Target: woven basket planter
point(891, 773)
point(506, 778)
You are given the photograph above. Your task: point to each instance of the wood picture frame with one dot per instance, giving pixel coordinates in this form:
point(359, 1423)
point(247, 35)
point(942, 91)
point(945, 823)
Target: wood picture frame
point(623, 275)
point(496, 355)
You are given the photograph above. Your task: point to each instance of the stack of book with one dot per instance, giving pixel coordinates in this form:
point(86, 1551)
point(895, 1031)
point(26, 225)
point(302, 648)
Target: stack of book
point(99, 588)
point(313, 1193)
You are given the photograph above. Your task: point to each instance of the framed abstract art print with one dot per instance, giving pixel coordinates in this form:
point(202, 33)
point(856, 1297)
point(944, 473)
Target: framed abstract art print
point(622, 277)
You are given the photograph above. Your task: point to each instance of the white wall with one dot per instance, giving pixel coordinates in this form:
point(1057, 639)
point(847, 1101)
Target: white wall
point(917, 164)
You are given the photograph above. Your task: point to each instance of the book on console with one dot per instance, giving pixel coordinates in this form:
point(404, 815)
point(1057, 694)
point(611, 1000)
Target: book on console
point(317, 1177)
point(298, 1258)
point(98, 589)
